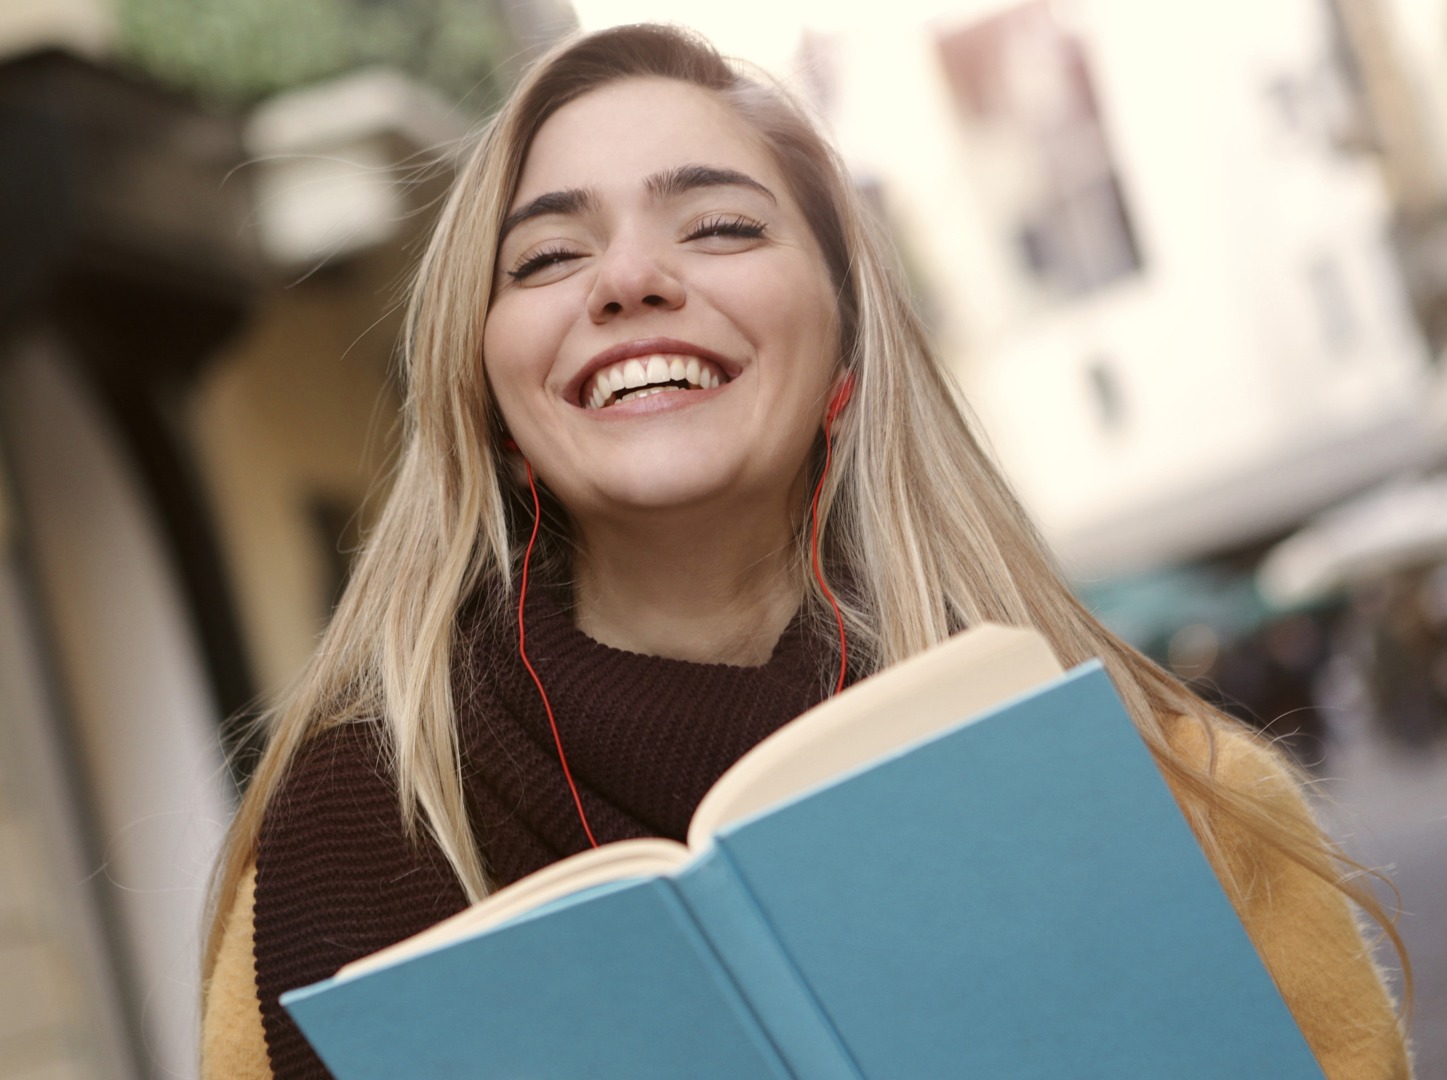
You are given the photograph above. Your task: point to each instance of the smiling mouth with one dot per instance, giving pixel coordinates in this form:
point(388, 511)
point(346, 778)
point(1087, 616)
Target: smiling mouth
point(642, 376)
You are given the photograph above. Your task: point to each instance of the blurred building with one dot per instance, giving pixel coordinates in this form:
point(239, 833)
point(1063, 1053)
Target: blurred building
point(1180, 255)
point(198, 314)
point(1396, 64)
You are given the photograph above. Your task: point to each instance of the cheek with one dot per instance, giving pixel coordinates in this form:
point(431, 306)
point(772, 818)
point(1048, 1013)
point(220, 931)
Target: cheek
point(514, 355)
point(788, 308)
point(524, 334)
point(809, 327)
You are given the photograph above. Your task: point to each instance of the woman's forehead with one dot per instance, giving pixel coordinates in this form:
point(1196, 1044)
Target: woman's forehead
point(622, 134)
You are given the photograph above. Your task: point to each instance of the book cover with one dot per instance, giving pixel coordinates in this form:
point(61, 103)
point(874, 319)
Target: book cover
point(1017, 895)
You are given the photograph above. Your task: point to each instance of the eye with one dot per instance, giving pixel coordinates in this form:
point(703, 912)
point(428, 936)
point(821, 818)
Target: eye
point(728, 226)
point(541, 259)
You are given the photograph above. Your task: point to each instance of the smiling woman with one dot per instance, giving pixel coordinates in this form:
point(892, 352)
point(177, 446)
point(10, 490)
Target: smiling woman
point(637, 249)
point(668, 400)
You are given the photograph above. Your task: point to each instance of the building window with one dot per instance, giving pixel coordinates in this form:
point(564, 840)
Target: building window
point(1022, 83)
point(1106, 394)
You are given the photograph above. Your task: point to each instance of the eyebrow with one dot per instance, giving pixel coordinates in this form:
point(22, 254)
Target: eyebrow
point(674, 182)
point(569, 202)
point(668, 184)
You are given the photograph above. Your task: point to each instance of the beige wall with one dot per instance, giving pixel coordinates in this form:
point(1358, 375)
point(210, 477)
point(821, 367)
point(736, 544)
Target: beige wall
point(301, 407)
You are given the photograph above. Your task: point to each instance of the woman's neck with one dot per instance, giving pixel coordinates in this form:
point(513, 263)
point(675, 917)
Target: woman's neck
point(709, 595)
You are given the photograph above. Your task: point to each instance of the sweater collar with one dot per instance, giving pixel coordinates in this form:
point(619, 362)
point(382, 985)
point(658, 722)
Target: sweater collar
point(645, 736)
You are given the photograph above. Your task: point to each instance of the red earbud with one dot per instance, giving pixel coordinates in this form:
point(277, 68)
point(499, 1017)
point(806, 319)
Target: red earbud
point(841, 398)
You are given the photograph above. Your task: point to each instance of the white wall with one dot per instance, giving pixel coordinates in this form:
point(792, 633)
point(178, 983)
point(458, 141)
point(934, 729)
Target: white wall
point(61, 1011)
point(144, 721)
point(1267, 325)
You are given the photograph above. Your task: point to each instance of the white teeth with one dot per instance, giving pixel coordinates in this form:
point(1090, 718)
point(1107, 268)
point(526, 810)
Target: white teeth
point(642, 375)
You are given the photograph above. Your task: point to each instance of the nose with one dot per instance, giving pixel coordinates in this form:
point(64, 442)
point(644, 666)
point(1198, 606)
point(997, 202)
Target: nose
point(633, 277)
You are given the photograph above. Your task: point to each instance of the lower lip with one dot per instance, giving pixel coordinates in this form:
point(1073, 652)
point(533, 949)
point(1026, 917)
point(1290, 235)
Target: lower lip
point(653, 404)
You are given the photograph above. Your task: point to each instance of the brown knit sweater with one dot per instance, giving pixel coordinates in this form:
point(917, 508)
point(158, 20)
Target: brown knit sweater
point(645, 738)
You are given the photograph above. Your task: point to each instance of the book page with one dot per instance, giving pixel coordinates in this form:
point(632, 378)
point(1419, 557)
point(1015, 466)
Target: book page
point(597, 866)
point(968, 674)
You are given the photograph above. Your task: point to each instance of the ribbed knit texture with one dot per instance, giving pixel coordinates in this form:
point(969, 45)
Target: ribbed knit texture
point(645, 738)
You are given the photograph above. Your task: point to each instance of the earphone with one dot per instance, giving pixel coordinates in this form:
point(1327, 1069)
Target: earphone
point(840, 399)
point(836, 405)
point(831, 414)
point(523, 652)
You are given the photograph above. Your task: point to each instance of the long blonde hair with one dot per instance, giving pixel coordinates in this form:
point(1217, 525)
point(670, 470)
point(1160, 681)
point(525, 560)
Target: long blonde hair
point(920, 527)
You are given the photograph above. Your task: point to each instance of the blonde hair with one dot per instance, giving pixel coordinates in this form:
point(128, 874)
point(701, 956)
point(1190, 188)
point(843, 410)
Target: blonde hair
point(924, 535)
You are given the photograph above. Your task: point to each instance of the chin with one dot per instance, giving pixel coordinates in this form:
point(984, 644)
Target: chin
point(676, 484)
point(655, 494)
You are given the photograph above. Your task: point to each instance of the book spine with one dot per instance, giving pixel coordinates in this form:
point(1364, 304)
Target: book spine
point(748, 949)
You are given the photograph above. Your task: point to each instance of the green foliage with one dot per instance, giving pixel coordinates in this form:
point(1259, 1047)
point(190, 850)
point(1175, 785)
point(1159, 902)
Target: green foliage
point(232, 52)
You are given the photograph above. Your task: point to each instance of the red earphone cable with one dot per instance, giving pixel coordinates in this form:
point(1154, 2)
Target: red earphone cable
point(834, 408)
point(522, 651)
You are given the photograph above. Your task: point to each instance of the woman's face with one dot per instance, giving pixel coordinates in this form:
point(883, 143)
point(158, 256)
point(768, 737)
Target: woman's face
point(662, 330)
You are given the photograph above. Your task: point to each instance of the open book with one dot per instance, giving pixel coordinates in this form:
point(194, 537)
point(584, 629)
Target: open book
point(967, 865)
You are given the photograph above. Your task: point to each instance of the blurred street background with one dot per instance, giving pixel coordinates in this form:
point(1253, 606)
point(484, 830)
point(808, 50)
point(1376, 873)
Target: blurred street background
point(1189, 262)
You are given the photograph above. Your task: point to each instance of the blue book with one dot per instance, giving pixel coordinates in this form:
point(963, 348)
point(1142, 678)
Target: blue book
point(966, 866)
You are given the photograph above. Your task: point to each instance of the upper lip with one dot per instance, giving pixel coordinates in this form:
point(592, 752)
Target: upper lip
point(655, 346)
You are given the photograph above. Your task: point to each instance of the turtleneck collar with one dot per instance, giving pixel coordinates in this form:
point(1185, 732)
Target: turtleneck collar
point(645, 736)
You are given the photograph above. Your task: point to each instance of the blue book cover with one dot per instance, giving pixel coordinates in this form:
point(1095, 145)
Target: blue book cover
point(1014, 895)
